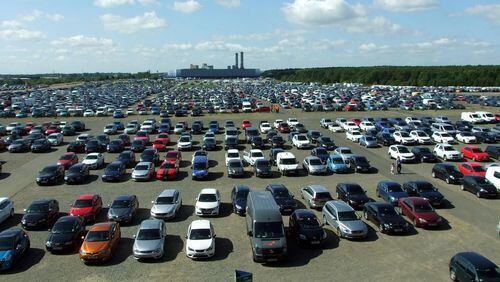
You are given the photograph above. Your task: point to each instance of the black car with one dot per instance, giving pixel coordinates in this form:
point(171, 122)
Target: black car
point(262, 168)
point(231, 143)
point(127, 158)
point(270, 134)
point(115, 171)
point(283, 198)
point(138, 146)
point(125, 139)
point(239, 198)
point(321, 153)
point(115, 146)
point(385, 217)
point(424, 154)
point(313, 135)
point(485, 137)
point(150, 155)
point(305, 227)
point(353, 194)
point(104, 139)
point(34, 136)
point(447, 172)
point(360, 164)
point(40, 213)
point(196, 128)
point(209, 144)
point(325, 142)
point(479, 185)
point(78, 125)
point(19, 146)
point(385, 139)
point(76, 147)
point(277, 141)
point(257, 142)
point(273, 153)
point(424, 189)
point(77, 173)
point(123, 209)
point(51, 174)
point(66, 234)
point(94, 146)
point(68, 130)
point(470, 266)
point(41, 145)
point(493, 151)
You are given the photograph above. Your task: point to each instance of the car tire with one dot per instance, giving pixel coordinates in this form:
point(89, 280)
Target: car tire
point(445, 158)
point(339, 234)
point(324, 220)
point(377, 193)
point(453, 275)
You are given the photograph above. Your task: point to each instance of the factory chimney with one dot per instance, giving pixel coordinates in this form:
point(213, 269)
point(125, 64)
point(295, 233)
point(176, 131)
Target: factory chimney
point(236, 60)
point(241, 55)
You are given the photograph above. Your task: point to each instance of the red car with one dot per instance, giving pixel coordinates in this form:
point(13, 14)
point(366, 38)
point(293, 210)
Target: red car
point(142, 135)
point(167, 170)
point(174, 157)
point(497, 117)
point(357, 121)
point(284, 127)
point(420, 212)
point(160, 145)
point(475, 153)
point(245, 123)
point(53, 129)
point(263, 109)
point(87, 206)
point(68, 159)
point(28, 126)
point(163, 137)
point(472, 169)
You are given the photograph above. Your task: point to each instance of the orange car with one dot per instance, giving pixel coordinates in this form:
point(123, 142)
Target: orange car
point(101, 242)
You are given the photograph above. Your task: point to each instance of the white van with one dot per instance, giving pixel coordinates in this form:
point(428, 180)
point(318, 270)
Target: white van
point(246, 107)
point(486, 116)
point(444, 127)
point(287, 163)
point(471, 117)
point(493, 176)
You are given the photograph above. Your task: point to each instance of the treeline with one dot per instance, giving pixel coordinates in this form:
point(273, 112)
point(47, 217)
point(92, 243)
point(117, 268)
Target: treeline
point(395, 75)
point(41, 79)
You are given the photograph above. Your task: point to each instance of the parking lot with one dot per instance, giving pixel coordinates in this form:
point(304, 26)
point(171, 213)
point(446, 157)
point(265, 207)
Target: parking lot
point(418, 256)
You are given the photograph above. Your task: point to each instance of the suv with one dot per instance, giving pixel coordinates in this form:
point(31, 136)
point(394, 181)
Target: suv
point(470, 266)
point(315, 195)
point(344, 219)
point(287, 163)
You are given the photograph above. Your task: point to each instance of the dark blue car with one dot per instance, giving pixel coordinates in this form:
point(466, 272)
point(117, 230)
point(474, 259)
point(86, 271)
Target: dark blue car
point(200, 167)
point(115, 171)
point(239, 198)
point(390, 191)
point(14, 243)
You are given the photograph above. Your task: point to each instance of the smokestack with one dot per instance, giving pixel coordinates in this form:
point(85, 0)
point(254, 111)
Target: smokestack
point(236, 60)
point(241, 55)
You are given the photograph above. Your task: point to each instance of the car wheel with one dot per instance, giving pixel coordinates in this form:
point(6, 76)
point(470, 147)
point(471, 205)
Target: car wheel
point(433, 174)
point(337, 195)
point(478, 194)
point(445, 158)
point(448, 180)
point(324, 220)
point(453, 275)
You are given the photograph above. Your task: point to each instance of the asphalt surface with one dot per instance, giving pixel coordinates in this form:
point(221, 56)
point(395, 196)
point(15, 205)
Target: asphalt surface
point(422, 255)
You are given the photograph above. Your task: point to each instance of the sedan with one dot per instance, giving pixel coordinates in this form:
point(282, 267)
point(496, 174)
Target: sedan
point(385, 217)
point(67, 160)
point(167, 204)
point(200, 240)
point(353, 194)
point(425, 190)
point(77, 174)
point(235, 168)
point(304, 226)
point(239, 195)
point(390, 191)
point(208, 202)
point(262, 168)
point(167, 171)
point(115, 171)
point(368, 141)
point(420, 212)
point(149, 241)
point(344, 220)
point(50, 175)
point(472, 169)
point(123, 209)
point(143, 171)
point(41, 146)
point(87, 206)
point(479, 186)
point(100, 242)
point(94, 160)
point(314, 165)
point(66, 234)
point(475, 153)
point(40, 213)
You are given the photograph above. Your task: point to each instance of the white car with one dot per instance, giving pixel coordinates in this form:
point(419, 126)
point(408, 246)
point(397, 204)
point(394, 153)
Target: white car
point(341, 121)
point(350, 125)
point(184, 143)
point(403, 138)
point(277, 123)
point(94, 160)
point(200, 240)
point(442, 137)
point(6, 209)
point(265, 127)
point(413, 120)
point(12, 125)
point(207, 202)
point(301, 141)
point(178, 128)
point(447, 152)
point(353, 135)
point(131, 128)
point(83, 137)
point(466, 137)
point(344, 152)
point(232, 154)
point(55, 139)
point(148, 126)
point(335, 128)
point(325, 122)
point(252, 156)
point(420, 137)
point(110, 129)
point(366, 125)
point(88, 113)
point(129, 112)
point(401, 152)
point(292, 122)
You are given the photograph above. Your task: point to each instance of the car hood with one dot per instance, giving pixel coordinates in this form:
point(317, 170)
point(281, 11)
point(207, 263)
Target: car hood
point(32, 217)
point(430, 216)
point(241, 202)
point(398, 195)
point(147, 245)
point(163, 208)
point(60, 237)
point(358, 198)
point(199, 244)
point(406, 155)
point(46, 174)
point(111, 173)
point(431, 195)
point(94, 247)
point(4, 254)
point(207, 205)
point(488, 187)
point(285, 201)
point(119, 211)
point(80, 211)
point(353, 225)
point(200, 172)
point(263, 168)
point(392, 219)
point(140, 172)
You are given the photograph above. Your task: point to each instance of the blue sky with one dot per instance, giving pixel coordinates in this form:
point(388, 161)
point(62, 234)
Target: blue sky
point(44, 36)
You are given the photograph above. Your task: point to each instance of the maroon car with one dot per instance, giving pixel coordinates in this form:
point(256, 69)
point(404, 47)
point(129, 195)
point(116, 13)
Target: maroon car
point(420, 212)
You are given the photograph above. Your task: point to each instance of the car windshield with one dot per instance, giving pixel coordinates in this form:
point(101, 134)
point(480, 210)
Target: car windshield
point(82, 203)
point(137, 143)
point(199, 166)
point(167, 165)
point(360, 160)
point(164, 200)
point(7, 243)
point(315, 162)
point(355, 190)
point(142, 167)
point(394, 188)
point(386, 211)
point(423, 207)
point(185, 139)
point(171, 155)
point(262, 163)
point(323, 196)
point(345, 151)
point(235, 164)
point(405, 134)
point(37, 208)
point(425, 186)
point(233, 155)
point(63, 227)
point(97, 236)
point(309, 222)
point(66, 157)
point(200, 234)
point(158, 142)
point(75, 168)
point(257, 155)
point(148, 234)
point(337, 160)
point(281, 193)
point(424, 150)
point(209, 141)
point(207, 198)
point(421, 134)
point(488, 273)
point(40, 142)
point(370, 138)
point(477, 150)
point(268, 230)
point(403, 150)
point(301, 138)
point(347, 216)
point(448, 148)
point(478, 168)
point(142, 134)
point(120, 204)
point(242, 194)
point(288, 161)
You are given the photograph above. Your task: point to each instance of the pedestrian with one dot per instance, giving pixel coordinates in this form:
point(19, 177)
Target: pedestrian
point(392, 168)
point(398, 165)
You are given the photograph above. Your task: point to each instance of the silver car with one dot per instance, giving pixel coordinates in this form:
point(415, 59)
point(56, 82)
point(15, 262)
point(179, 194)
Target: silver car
point(167, 204)
point(314, 165)
point(235, 168)
point(143, 171)
point(344, 219)
point(368, 141)
point(315, 195)
point(150, 239)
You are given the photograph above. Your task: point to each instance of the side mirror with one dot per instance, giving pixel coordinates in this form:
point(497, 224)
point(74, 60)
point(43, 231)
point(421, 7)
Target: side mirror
point(249, 233)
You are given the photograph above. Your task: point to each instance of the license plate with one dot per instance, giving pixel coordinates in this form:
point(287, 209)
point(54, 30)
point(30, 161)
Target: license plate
point(398, 230)
point(272, 259)
point(314, 242)
point(432, 224)
point(57, 248)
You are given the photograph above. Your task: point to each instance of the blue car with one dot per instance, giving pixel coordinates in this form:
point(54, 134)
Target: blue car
point(390, 191)
point(336, 164)
point(200, 167)
point(119, 125)
point(14, 243)
point(321, 153)
point(381, 125)
point(118, 114)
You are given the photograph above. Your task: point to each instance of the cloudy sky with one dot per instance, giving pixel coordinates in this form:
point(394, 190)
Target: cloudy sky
point(44, 36)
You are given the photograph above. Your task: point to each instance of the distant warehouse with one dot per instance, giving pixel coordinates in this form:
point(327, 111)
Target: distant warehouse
point(208, 71)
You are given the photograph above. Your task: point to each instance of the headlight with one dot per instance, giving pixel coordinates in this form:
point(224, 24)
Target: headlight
point(157, 250)
point(302, 237)
point(422, 220)
point(345, 230)
point(452, 177)
point(103, 251)
point(48, 243)
point(238, 207)
point(482, 190)
point(82, 252)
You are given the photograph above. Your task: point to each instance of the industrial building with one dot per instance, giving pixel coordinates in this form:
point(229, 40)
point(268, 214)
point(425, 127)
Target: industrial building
point(207, 71)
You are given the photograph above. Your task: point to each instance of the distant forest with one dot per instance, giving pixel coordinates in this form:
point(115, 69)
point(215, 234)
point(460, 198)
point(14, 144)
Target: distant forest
point(395, 75)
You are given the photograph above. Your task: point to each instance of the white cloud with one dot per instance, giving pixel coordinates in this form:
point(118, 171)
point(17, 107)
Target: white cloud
point(131, 25)
point(148, 2)
point(326, 44)
point(32, 16)
point(11, 24)
point(379, 25)
point(178, 47)
point(21, 34)
point(82, 41)
point(322, 12)
point(367, 47)
point(229, 3)
point(491, 12)
point(220, 46)
point(54, 17)
point(112, 3)
point(187, 7)
point(36, 14)
point(406, 5)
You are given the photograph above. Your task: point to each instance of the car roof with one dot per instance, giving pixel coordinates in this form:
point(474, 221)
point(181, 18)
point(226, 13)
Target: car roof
point(102, 226)
point(67, 218)
point(167, 192)
point(277, 187)
point(208, 191)
point(200, 159)
point(85, 197)
point(150, 224)
point(2, 199)
point(340, 206)
point(124, 197)
point(477, 260)
point(144, 163)
point(241, 187)
point(42, 201)
point(10, 232)
point(304, 213)
point(378, 205)
point(200, 224)
point(232, 151)
point(318, 188)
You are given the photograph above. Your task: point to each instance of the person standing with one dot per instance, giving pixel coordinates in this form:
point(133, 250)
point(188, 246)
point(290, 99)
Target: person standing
point(398, 165)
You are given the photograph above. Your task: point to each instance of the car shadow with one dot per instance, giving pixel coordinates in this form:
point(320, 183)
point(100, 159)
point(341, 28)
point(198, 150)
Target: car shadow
point(30, 259)
point(372, 235)
point(215, 175)
point(12, 221)
point(91, 178)
point(300, 205)
point(122, 252)
point(247, 174)
point(223, 247)
point(184, 164)
point(181, 175)
point(184, 213)
point(213, 163)
point(4, 175)
point(446, 204)
point(275, 174)
point(140, 215)
point(225, 209)
point(444, 226)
